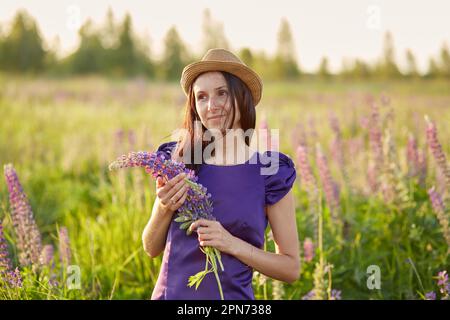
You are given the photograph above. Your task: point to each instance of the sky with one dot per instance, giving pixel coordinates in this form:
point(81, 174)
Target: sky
point(335, 29)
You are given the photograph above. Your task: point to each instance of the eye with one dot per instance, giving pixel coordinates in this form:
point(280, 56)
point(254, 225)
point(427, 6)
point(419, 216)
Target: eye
point(223, 91)
point(200, 97)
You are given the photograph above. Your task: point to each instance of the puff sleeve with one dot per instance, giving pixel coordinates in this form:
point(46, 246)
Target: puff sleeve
point(280, 178)
point(167, 149)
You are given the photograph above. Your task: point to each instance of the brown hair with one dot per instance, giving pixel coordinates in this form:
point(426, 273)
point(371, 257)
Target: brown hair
point(238, 91)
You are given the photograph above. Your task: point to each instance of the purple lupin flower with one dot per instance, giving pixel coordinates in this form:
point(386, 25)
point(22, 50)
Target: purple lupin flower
point(430, 295)
point(331, 189)
point(11, 277)
point(197, 205)
point(27, 232)
point(64, 246)
point(436, 149)
point(439, 209)
point(309, 296)
point(5, 262)
point(335, 294)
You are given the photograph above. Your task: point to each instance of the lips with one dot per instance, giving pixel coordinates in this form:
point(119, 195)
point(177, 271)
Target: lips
point(215, 117)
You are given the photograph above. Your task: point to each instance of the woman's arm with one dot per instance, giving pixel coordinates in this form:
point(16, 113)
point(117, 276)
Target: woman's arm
point(155, 232)
point(283, 265)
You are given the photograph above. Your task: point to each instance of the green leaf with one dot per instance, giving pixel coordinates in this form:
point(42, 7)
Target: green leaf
point(182, 219)
point(185, 225)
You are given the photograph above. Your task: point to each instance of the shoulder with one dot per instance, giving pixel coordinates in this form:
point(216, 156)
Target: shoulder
point(273, 161)
point(279, 174)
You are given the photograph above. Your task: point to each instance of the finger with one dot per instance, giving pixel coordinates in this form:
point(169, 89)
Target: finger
point(205, 237)
point(173, 190)
point(204, 230)
point(207, 243)
point(181, 200)
point(159, 182)
point(176, 179)
point(177, 196)
point(200, 222)
point(172, 182)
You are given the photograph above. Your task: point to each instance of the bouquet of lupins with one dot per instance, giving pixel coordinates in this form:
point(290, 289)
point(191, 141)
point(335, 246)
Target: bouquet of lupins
point(196, 206)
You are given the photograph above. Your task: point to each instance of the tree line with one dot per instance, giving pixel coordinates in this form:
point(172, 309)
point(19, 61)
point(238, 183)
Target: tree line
point(114, 49)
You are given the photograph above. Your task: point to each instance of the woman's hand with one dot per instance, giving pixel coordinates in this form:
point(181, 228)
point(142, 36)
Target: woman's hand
point(173, 193)
point(213, 234)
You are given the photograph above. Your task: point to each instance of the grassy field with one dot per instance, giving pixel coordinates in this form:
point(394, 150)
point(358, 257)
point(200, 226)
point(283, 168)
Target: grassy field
point(60, 136)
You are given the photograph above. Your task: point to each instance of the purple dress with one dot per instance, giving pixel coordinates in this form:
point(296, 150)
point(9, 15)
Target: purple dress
point(239, 194)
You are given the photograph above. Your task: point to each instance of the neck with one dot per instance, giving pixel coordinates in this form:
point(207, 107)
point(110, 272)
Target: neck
point(231, 149)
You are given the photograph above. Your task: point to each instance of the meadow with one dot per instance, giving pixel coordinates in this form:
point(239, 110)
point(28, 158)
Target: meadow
point(368, 163)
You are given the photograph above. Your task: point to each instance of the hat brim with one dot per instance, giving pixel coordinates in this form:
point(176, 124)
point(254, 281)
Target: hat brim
point(247, 75)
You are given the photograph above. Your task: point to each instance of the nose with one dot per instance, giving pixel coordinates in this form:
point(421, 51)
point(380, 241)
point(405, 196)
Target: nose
point(212, 104)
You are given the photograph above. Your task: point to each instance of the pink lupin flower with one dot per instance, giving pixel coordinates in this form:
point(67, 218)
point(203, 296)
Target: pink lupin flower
point(310, 184)
point(331, 189)
point(305, 169)
point(308, 249)
point(337, 147)
point(299, 136)
point(27, 232)
point(436, 149)
point(443, 284)
point(264, 130)
point(46, 257)
point(312, 128)
point(375, 139)
point(439, 209)
point(412, 155)
point(64, 246)
point(372, 177)
point(423, 167)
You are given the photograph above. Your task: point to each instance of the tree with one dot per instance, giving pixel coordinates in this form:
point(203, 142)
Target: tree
point(126, 58)
point(444, 66)
point(324, 71)
point(433, 69)
point(411, 69)
point(388, 67)
point(175, 56)
point(89, 56)
point(285, 62)
point(22, 49)
point(213, 33)
point(246, 56)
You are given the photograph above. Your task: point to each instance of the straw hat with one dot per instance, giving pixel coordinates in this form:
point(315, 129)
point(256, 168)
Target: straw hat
point(223, 60)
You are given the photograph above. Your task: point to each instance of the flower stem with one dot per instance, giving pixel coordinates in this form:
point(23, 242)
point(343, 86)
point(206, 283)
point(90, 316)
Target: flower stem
point(212, 253)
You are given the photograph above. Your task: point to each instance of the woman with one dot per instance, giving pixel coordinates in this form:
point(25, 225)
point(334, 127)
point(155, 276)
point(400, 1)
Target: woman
point(222, 93)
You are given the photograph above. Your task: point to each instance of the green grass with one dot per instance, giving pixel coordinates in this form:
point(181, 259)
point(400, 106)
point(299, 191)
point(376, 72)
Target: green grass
point(60, 135)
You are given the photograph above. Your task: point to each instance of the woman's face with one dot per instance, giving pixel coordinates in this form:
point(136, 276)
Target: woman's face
point(213, 101)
